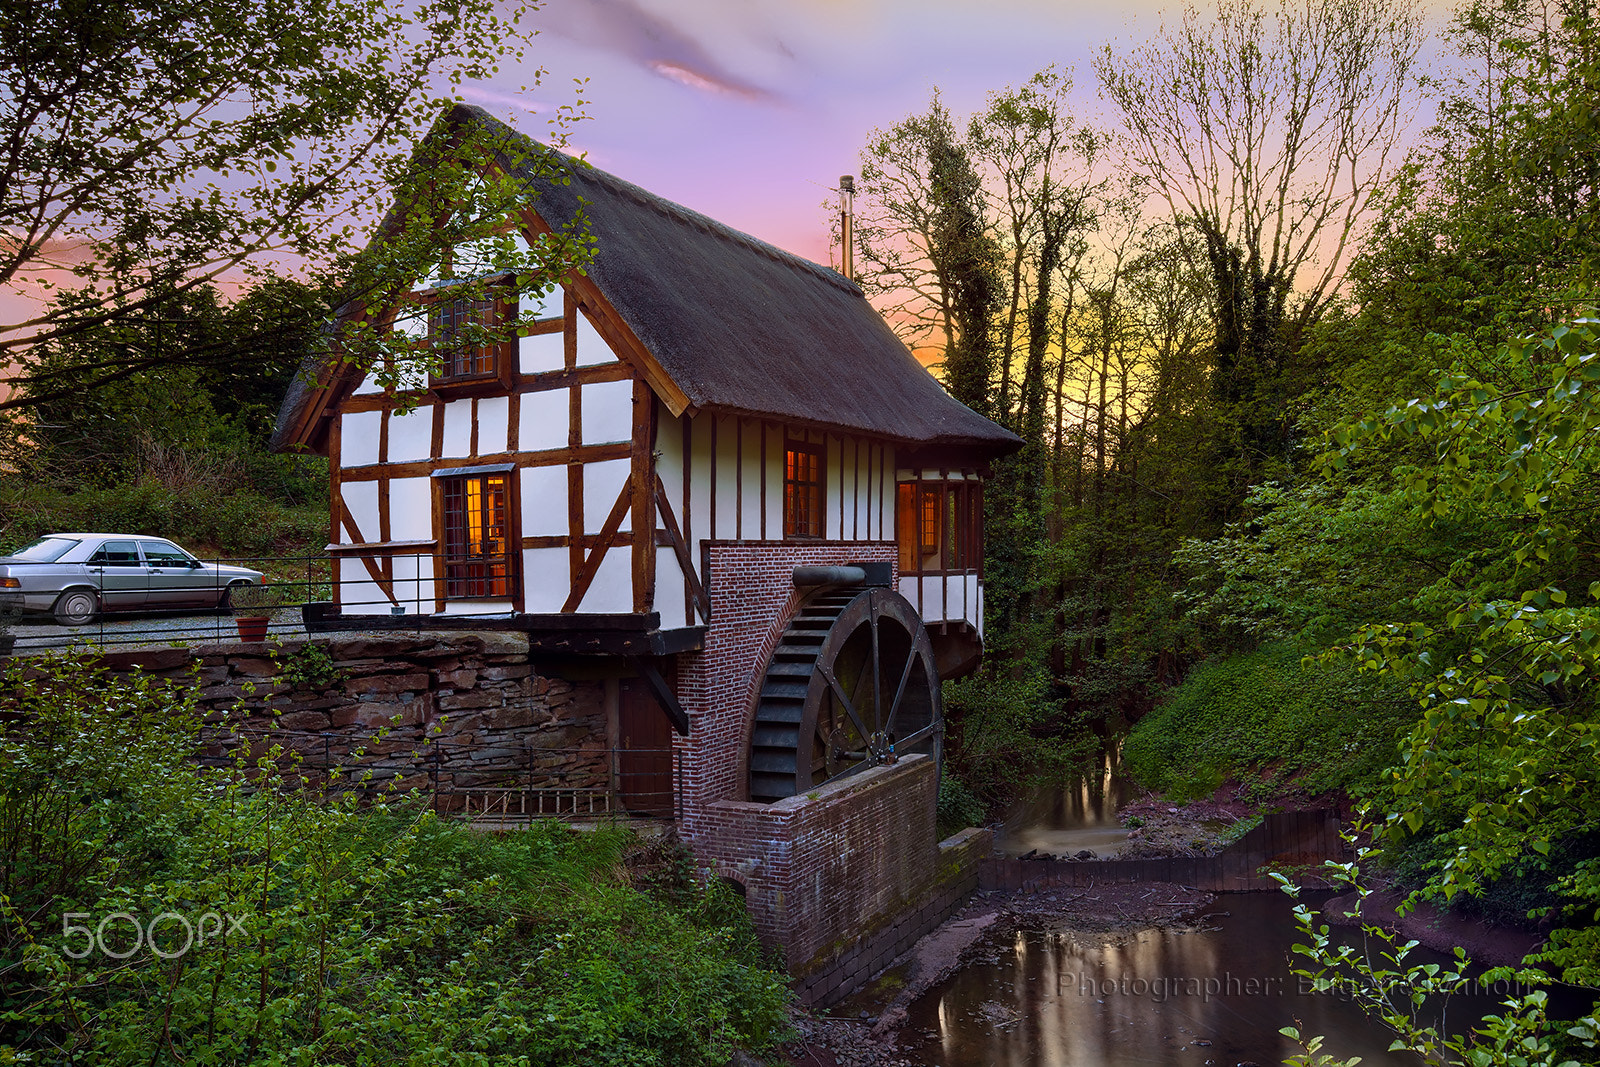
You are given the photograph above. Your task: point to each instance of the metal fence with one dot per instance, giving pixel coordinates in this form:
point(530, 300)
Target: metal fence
point(582, 783)
point(388, 591)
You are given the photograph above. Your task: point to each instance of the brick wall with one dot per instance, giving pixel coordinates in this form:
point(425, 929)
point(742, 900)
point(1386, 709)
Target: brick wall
point(844, 879)
point(751, 585)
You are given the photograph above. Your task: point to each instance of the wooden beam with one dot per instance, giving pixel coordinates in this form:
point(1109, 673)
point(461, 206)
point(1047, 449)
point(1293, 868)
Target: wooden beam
point(662, 692)
point(552, 457)
point(591, 563)
point(369, 562)
point(642, 474)
point(680, 548)
point(529, 383)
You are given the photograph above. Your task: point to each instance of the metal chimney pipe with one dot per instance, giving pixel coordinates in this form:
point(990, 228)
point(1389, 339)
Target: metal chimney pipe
point(847, 225)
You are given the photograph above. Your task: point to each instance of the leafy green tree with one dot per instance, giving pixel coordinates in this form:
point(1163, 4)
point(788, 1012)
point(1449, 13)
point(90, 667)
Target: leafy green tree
point(157, 147)
point(1499, 768)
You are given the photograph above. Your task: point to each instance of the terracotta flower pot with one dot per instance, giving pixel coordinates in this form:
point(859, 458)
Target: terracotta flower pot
point(252, 627)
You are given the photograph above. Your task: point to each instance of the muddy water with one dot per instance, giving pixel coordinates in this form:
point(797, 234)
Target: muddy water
point(1152, 996)
point(1064, 820)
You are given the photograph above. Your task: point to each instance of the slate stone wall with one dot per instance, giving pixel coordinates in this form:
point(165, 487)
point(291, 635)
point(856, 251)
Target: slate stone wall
point(447, 710)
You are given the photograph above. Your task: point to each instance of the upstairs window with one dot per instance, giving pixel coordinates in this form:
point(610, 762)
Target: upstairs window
point(469, 333)
point(939, 527)
point(477, 548)
point(802, 490)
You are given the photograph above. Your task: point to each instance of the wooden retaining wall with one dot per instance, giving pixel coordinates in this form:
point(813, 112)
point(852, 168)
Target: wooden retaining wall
point(1290, 838)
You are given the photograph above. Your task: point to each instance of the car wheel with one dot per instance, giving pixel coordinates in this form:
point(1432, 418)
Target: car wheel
point(77, 607)
point(225, 601)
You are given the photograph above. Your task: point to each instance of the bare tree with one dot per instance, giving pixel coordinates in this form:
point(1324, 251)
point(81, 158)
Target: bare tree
point(1267, 130)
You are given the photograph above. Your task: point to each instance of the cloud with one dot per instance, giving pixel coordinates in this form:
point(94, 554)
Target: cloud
point(624, 28)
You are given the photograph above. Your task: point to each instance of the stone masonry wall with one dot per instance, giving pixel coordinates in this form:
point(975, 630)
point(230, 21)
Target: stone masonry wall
point(457, 710)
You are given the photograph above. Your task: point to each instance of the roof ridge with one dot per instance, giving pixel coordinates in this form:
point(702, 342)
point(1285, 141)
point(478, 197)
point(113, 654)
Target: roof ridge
point(674, 210)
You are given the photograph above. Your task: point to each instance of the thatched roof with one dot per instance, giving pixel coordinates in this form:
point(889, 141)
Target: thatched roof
point(738, 325)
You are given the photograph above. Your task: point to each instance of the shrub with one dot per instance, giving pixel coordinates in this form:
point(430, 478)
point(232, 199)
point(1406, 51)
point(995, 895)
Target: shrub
point(329, 931)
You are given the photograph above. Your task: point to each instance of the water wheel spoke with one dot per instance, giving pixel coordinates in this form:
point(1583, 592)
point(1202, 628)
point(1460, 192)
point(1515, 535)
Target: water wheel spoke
point(920, 736)
point(839, 693)
point(900, 690)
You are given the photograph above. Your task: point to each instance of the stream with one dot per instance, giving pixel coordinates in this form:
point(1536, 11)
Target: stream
point(1213, 993)
point(1146, 996)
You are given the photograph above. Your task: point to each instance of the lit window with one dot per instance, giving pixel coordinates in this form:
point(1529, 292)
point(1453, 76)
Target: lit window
point(939, 527)
point(477, 558)
point(802, 490)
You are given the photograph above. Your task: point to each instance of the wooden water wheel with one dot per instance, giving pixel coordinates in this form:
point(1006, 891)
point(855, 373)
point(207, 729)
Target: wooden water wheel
point(851, 685)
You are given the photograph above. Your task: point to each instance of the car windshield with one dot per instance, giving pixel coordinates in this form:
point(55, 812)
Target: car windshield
point(45, 550)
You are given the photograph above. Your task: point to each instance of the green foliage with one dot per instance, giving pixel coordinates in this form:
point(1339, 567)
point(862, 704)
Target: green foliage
point(1403, 995)
point(1500, 763)
point(959, 806)
point(310, 667)
point(1269, 717)
point(329, 931)
point(1005, 734)
point(234, 522)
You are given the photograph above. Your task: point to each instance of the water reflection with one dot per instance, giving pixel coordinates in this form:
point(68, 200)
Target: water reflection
point(1149, 997)
point(1079, 815)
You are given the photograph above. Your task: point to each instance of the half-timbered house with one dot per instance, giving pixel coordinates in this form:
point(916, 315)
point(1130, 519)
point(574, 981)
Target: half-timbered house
point(707, 463)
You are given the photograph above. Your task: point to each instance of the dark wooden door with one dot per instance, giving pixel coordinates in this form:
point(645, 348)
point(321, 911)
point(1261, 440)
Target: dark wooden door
point(644, 764)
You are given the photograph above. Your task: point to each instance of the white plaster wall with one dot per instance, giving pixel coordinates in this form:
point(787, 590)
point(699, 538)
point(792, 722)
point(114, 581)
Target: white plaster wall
point(886, 530)
point(357, 593)
point(413, 583)
point(410, 510)
point(612, 589)
point(477, 607)
point(774, 476)
point(750, 480)
point(669, 590)
point(727, 484)
point(457, 429)
point(699, 485)
point(541, 352)
point(602, 482)
point(492, 424)
point(832, 490)
point(544, 505)
point(544, 420)
point(358, 438)
point(540, 305)
point(546, 581)
point(361, 501)
point(669, 460)
point(369, 384)
point(592, 348)
point(607, 412)
point(410, 435)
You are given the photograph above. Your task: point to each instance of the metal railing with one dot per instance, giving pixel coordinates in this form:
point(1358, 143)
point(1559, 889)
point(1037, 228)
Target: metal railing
point(386, 589)
point(573, 783)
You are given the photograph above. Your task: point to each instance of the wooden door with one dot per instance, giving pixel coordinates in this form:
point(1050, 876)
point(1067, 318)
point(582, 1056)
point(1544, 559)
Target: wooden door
point(644, 762)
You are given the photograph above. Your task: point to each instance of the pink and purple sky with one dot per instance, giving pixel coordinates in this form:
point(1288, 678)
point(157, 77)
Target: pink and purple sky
point(749, 110)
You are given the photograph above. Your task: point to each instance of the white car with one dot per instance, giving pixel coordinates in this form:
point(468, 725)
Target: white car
point(78, 575)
